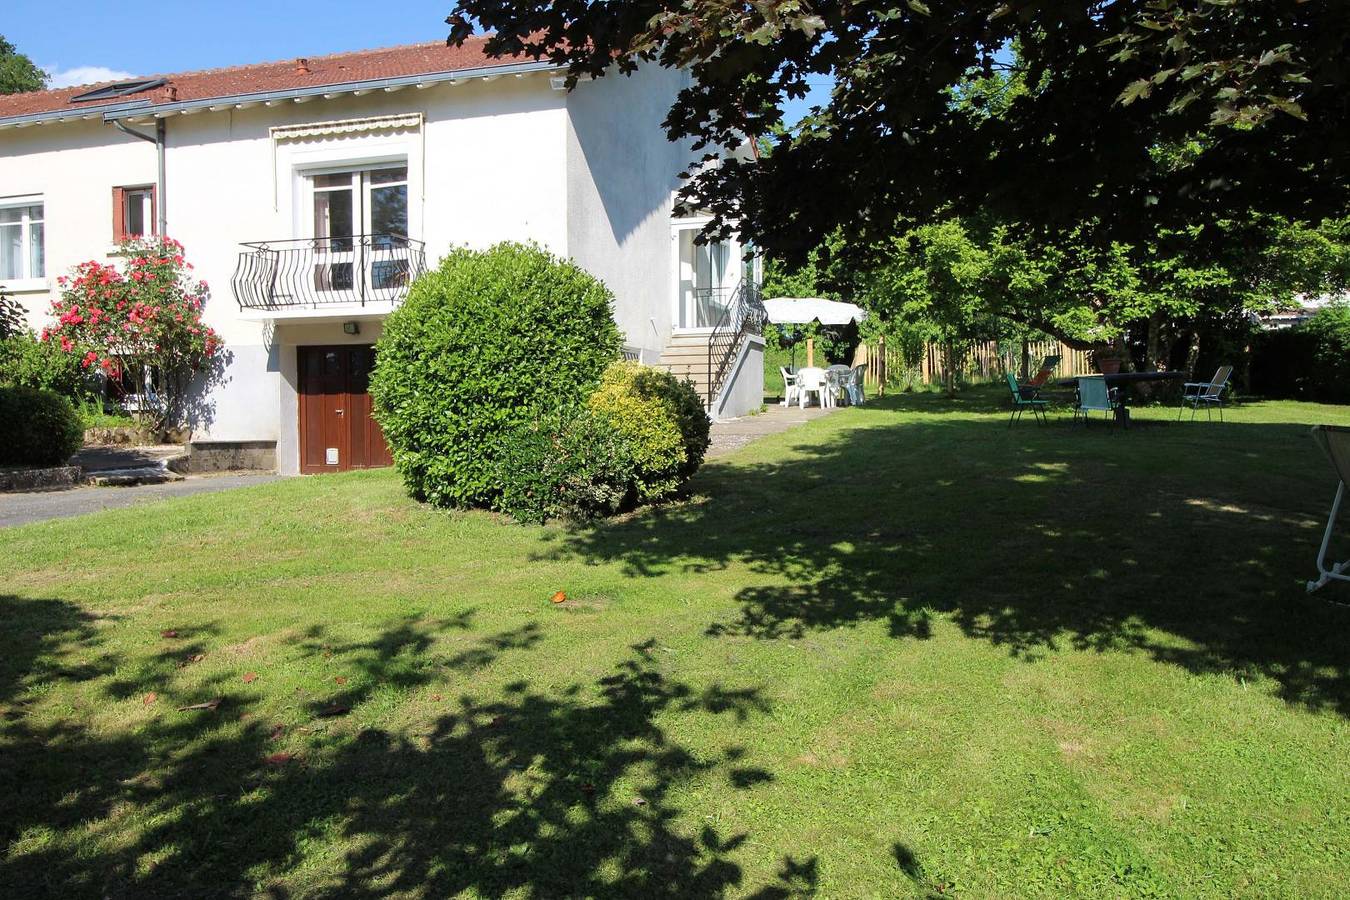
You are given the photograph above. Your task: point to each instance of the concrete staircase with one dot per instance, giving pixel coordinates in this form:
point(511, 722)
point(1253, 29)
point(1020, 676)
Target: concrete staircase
point(686, 357)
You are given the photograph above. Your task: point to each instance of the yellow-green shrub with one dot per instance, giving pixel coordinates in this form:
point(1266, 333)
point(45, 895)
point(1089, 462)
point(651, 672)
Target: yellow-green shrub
point(662, 421)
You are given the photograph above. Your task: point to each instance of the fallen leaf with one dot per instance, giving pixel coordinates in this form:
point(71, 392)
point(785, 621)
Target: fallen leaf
point(279, 759)
point(341, 679)
point(277, 731)
point(436, 697)
point(498, 721)
point(150, 698)
point(250, 677)
point(194, 658)
point(168, 633)
point(638, 801)
point(209, 704)
point(588, 788)
point(337, 709)
point(560, 597)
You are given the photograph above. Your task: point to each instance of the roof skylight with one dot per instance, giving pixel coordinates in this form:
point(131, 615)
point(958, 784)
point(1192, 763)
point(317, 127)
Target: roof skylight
point(119, 89)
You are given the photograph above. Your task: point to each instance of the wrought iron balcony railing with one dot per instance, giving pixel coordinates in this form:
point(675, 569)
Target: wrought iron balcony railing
point(305, 273)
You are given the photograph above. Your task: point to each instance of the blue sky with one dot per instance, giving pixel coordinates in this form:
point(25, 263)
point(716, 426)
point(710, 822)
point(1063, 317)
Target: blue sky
point(82, 40)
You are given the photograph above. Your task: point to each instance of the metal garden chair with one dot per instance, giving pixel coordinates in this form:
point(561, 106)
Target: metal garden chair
point(1335, 440)
point(1205, 393)
point(1094, 396)
point(1021, 402)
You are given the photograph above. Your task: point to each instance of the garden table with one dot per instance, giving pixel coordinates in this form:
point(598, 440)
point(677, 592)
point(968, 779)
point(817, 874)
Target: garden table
point(1123, 381)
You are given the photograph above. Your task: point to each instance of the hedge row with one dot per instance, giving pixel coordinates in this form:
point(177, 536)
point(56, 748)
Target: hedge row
point(1308, 362)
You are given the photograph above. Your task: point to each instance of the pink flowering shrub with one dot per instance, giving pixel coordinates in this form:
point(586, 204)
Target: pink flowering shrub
point(142, 324)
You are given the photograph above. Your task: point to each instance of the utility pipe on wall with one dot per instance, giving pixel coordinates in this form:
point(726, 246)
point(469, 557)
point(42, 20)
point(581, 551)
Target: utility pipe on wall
point(161, 206)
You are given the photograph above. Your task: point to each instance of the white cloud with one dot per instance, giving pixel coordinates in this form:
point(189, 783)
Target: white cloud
point(78, 75)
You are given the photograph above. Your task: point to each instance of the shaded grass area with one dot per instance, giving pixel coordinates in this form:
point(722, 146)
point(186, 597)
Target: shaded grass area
point(900, 651)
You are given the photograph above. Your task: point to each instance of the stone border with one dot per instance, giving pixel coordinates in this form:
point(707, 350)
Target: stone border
point(39, 479)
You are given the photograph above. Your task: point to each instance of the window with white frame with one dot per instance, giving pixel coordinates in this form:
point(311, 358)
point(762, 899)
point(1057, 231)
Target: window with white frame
point(23, 240)
point(133, 212)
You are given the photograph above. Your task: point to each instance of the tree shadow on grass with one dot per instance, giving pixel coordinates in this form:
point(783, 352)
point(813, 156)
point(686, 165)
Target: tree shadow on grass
point(523, 792)
point(1189, 544)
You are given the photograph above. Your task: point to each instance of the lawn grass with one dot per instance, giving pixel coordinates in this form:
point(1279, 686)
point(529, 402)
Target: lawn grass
point(899, 651)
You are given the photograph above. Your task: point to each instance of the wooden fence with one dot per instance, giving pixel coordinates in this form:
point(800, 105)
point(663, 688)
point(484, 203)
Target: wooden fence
point(892, 367)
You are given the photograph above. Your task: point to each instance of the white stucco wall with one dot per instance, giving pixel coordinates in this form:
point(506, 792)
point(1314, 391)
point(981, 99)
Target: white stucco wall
point(622, 172)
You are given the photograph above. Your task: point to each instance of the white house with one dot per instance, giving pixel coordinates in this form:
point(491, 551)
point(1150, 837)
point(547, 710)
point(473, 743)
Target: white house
point(307, 192)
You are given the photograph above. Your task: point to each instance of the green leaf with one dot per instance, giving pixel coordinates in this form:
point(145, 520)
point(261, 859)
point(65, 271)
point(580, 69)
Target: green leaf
point(1291, 107)
point(1134, 91)
point(920, 7)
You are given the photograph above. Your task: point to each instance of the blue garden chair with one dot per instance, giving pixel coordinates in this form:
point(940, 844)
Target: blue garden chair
point(1022, 402)
point(1208, 394)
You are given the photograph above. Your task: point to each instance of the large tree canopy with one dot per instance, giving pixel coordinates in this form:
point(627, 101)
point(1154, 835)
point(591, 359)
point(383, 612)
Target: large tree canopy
point(18, 73)
point(1262, 87)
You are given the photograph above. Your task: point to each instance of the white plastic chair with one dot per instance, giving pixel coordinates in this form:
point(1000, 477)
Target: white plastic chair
point(812, 381)
point(789, 387)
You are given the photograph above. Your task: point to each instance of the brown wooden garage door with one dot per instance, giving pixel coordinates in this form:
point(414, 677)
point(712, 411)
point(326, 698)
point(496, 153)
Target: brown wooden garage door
point(337, 431)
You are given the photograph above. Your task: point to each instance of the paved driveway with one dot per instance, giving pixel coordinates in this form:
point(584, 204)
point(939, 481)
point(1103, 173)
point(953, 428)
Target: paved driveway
point(36, 506)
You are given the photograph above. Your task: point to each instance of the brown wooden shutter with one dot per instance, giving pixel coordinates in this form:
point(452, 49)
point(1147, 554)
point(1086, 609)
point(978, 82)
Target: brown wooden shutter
point(119, 215)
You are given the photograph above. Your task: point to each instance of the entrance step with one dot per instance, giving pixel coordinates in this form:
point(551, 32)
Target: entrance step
point(132, 477)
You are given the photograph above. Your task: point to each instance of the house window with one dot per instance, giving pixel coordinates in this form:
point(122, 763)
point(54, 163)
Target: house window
point(133, 212)
point(23, 240)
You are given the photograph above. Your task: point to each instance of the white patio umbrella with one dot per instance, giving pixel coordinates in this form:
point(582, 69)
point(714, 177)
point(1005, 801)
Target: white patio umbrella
point(800, 311)
point(804, 310)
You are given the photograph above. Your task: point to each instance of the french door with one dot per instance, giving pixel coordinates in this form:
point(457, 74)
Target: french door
point(707, 279)
point(360, 232)
point(337, 430)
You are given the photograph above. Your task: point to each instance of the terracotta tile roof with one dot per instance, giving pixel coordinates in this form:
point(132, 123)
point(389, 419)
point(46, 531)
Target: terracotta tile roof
point(338, 68)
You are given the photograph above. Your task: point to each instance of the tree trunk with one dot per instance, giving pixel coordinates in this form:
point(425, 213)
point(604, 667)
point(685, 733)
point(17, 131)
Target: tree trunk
point(949, 348)
point(1193, 355)
point(1026, 361)
point(1155, 327)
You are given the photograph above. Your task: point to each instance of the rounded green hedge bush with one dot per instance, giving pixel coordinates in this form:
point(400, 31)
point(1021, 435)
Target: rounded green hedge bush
point(37, 428)
point(663, 421)
point(483, 346)
point(574, 465)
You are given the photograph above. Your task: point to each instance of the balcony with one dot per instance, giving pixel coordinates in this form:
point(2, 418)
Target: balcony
point(328, 273)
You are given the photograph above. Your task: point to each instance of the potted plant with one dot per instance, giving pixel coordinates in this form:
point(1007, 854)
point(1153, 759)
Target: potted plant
point(1107, 359)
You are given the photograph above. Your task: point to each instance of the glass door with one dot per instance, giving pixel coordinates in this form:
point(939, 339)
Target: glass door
point(386, 222)
point(360, 232)
point(335, 217)
point(707, 279)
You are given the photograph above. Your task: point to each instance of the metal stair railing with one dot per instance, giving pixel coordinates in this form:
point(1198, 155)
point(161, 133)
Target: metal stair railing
point(744, 315)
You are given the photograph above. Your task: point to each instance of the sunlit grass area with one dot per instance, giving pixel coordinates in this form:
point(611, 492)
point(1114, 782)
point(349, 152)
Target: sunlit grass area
point(900, 651)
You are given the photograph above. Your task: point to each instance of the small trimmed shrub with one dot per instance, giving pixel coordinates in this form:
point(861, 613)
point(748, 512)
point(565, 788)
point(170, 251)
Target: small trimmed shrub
point(577, 468)
point(483, 347)
point(26, 361)
point(663, 421)
point(37, 428)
